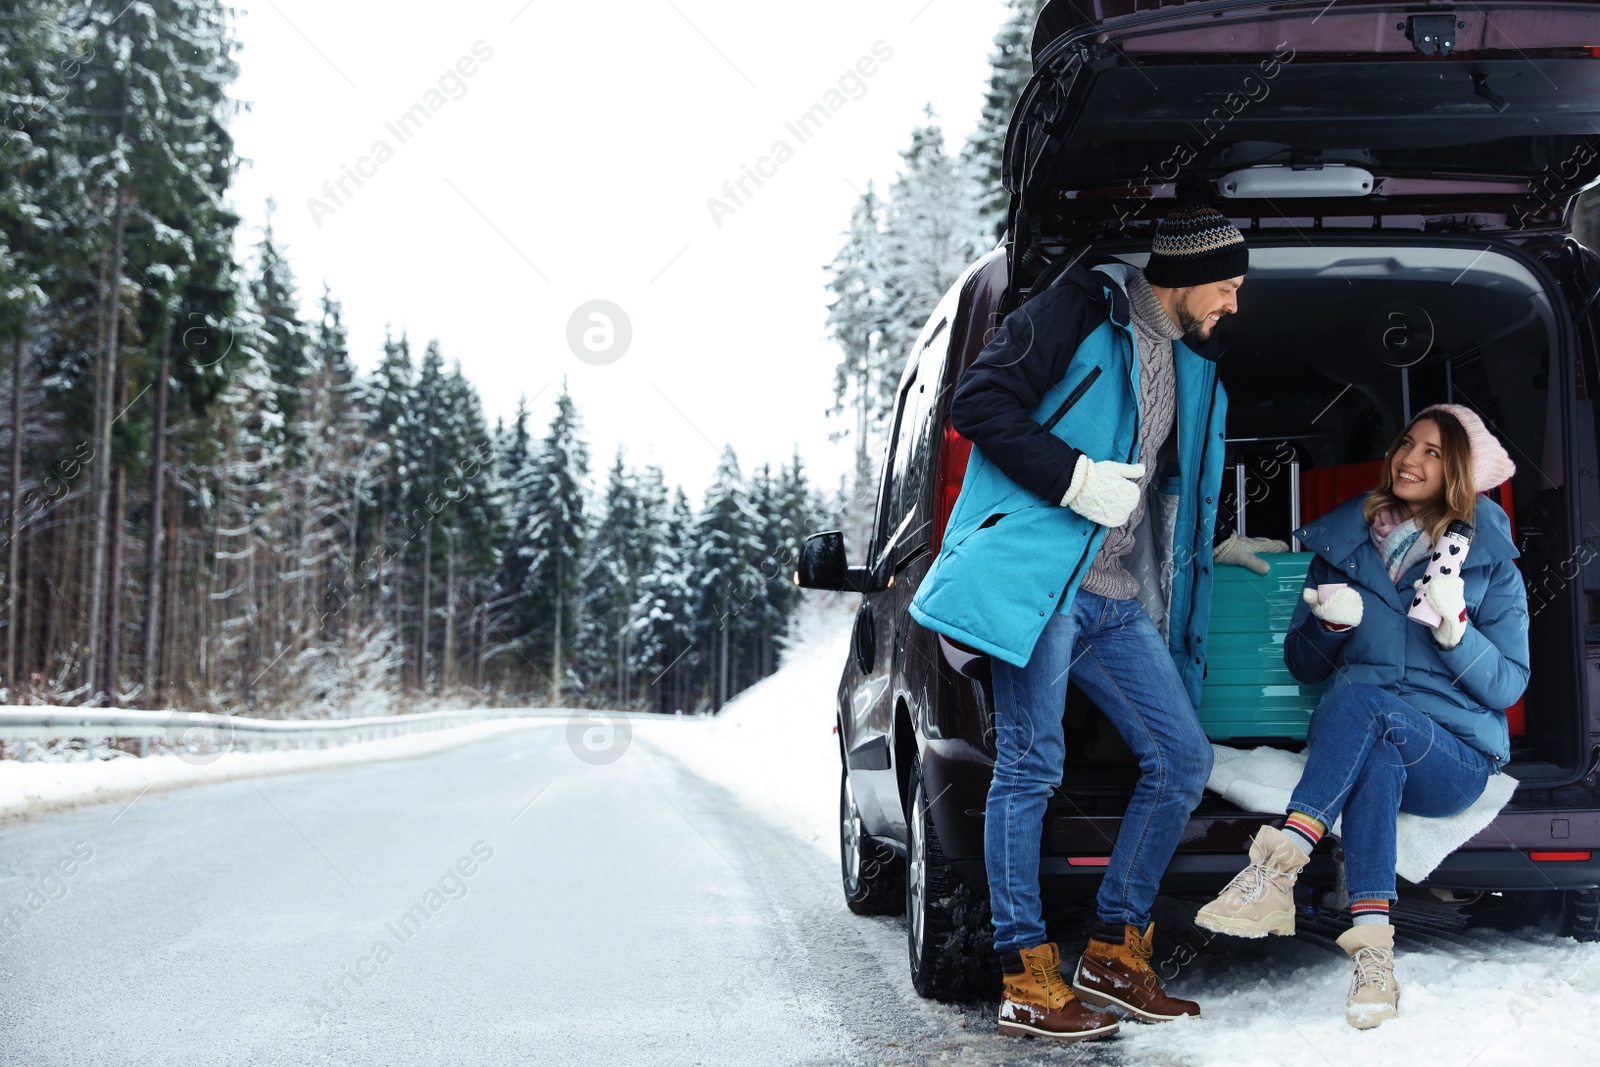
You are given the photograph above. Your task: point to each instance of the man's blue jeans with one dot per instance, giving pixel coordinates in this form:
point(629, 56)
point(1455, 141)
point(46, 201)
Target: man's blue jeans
point(1374, 757)
point(1114, 653)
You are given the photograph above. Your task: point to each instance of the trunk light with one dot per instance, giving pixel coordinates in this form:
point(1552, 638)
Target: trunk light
point(1559, 857)
point(1097, 861)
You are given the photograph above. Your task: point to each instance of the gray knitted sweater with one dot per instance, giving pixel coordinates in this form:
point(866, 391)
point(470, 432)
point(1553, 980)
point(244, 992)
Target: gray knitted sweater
point(1155, 332)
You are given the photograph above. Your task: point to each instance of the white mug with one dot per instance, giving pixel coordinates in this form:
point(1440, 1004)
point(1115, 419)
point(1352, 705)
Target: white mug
point(1325, 592)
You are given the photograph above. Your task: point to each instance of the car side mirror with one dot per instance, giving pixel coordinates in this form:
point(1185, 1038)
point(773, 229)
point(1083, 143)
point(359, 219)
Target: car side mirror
point(823, 566)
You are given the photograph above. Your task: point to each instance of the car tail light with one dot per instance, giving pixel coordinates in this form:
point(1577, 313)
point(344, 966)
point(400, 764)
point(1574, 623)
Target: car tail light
point(1088, 861)
point(954, 451)
point(1559, 857)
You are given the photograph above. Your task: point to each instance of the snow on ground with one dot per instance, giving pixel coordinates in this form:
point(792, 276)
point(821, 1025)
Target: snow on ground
point(1479, 998)
point(773, 745)
point(30, 787)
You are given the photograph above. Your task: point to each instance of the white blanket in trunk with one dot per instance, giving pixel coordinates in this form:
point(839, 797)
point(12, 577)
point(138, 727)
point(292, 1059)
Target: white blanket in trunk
point(1262, 779)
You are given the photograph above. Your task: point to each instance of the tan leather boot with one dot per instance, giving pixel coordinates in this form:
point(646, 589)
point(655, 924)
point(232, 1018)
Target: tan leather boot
point(1120, 976)
point(1037, 1001)
point(1260, 899)
point(1374, 992)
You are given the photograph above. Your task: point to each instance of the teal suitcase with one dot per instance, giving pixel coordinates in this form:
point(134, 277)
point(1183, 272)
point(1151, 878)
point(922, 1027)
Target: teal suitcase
point(1248, 694)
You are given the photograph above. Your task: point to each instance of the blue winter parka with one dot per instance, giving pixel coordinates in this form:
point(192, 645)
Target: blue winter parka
point(1061, 377)
point(1466, 689)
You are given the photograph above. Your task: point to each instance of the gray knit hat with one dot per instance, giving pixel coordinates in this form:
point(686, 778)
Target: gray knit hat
point(1195, 245)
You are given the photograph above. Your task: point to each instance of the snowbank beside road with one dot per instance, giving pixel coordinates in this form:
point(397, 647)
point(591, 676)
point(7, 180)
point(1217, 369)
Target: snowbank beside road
point(773, 745)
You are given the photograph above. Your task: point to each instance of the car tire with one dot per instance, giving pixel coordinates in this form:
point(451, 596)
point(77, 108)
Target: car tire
point(872, 873)
point(1582, 915)
point(948, 932)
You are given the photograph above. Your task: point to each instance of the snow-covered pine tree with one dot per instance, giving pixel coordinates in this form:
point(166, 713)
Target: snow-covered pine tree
point(423, 457)
point(241, 505)
point(42, 248)
point(511, 446)
point(664, 652)
point(728, 578)
point(340, 434)
point(286, 340)
point(321, 513)
point(190, 342)
point(618, 555)
point(337, 480)
point(387, 422)
point(157, 164)
point(800, 516)
point(982, 159)
point(930, 236)
point(856, 321)
point(179, 259)
point(772, 599)
point(138, 268)
point(473, 508)
point(650, 488)
point(554, 542)
point(508, 620)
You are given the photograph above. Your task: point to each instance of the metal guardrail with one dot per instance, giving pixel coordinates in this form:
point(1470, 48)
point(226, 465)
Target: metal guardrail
point(201, 733)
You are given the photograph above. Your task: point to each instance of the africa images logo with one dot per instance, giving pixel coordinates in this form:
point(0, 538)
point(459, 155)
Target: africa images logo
point(851, 85)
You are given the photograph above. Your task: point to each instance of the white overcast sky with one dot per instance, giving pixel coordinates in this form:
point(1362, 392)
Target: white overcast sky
point(576, 166)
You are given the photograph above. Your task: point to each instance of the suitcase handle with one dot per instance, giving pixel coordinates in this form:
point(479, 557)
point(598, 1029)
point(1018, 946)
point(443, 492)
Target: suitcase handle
point(1240, 476)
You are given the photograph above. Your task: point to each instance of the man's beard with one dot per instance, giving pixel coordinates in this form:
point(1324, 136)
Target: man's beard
point(1187, 322)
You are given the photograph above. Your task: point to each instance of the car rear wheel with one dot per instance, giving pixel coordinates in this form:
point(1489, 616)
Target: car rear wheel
point(947, 924)
point(1581, 919)
point(873, 874)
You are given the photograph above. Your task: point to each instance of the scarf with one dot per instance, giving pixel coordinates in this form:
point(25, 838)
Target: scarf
point(1401, 543)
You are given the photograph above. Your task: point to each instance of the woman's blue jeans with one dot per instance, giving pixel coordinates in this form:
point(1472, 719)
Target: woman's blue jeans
point(1375, 756)
point(1114, 653)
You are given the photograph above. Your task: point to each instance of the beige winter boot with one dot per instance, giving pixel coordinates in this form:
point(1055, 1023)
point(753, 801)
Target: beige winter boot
point(1374, 992)
point(1260, 899)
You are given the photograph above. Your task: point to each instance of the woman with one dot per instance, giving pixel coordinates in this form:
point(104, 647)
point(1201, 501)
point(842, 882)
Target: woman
point(1413, 718)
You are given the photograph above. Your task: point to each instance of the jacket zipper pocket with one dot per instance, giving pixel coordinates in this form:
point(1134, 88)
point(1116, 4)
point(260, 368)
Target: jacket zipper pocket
point(1073, 397)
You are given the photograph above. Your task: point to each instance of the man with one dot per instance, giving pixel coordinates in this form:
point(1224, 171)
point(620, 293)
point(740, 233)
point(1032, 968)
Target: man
point(1083, 398)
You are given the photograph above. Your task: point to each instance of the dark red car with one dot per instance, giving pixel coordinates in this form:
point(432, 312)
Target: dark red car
point(1406, 177)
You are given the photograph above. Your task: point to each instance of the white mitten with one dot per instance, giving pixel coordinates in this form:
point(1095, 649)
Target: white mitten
point(1242, 552)
point(1342, 611)
point(1447, 594)
point(1104, 492)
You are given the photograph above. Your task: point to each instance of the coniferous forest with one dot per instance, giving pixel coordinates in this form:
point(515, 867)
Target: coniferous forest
point(207, 505)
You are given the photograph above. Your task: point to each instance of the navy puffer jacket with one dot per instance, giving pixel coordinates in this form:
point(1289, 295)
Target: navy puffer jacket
point(1465, 689)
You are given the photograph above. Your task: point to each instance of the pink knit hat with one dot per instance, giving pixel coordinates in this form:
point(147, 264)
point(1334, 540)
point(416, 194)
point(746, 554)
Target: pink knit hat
point(1490, 463)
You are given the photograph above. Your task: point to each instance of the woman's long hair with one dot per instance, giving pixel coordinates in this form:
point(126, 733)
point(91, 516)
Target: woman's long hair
point(1458, 501)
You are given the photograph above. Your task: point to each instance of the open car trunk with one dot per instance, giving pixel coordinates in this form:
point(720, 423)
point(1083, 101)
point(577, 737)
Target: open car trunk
point(1396, 169)
point(1302, 116)
point(1336, 343)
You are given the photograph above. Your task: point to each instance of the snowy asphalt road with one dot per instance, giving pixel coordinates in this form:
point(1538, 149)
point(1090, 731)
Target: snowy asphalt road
point(498, 903)
point(502, 902)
